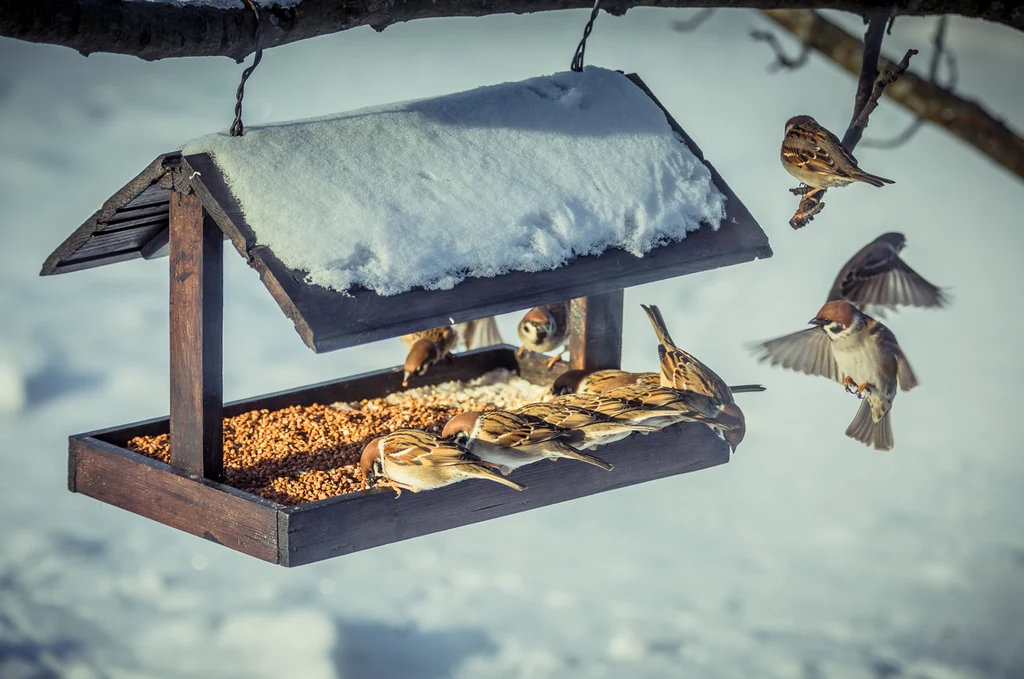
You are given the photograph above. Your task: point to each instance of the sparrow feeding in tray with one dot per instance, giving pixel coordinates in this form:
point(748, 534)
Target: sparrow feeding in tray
point(426, 348)
point(598, 429)
point(543, 329)
point(511, 440)
point(817, 158)
point(850, 347)
point(877, 277)
point(667, 406)
point(415, 460)
point(600, 381)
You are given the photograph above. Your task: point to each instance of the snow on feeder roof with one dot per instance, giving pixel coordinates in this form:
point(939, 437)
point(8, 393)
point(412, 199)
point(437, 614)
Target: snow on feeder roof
point(378, 222)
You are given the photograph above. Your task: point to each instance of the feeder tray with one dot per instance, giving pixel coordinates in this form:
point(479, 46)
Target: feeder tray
point(181, 205)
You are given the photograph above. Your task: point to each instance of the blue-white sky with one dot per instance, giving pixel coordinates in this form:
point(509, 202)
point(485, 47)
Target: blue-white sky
point(807, 556)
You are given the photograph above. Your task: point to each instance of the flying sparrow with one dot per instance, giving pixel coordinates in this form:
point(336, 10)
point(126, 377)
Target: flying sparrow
point(600, 381)
point(877, 277)
point(849, 347)
point(414, 460)
point(817, 158)
point(545, 328)
point(511, 440)
point(598, 429)
point(426, 348)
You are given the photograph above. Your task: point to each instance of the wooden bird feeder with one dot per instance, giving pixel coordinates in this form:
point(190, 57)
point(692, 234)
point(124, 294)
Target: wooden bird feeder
point(182, 205)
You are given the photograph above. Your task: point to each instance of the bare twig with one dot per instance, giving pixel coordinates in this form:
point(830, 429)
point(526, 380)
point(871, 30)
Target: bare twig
point(868, 78)
point(938, 54)
point(782, 60)
point(694, 22)
point(869, 89)
point(965, 119)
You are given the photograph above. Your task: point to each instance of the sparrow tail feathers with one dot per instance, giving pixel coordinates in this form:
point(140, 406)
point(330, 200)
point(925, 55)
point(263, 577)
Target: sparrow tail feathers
point(481, 472)
point(872, 179)
point(660, 329)
point(565, 450)
point(871, 433)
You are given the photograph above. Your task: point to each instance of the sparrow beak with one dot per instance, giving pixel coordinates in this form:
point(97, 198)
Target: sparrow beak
point(817, 321)
point(405, 379)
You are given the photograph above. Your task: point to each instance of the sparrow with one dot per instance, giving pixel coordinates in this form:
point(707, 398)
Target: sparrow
point(681, 370)
point(684, 406)
point(426, 348)
point(545, 328)
point(848, 346)
point(415, 460)
point(817, 158)
point(482, 332)
point(512, 440)
point(600, 381)
point(598, 429)
point(877, 277)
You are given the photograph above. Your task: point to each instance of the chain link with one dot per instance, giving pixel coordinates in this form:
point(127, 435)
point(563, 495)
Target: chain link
point(577, 59)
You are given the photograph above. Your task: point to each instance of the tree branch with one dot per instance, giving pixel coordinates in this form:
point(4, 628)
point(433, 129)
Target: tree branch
point(156, 30)
point(930, 101)
point(868, 76)
point(782, 60)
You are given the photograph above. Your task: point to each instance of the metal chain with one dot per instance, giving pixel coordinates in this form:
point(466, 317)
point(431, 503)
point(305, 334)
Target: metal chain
point(577, 59)
point(236, 129)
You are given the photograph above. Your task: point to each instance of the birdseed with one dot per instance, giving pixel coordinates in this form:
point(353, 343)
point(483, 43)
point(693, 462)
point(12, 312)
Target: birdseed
point(306, 453)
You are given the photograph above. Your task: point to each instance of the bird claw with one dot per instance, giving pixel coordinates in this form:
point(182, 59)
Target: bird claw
point(850, 384)
point(553, 361)
point(521, 351)
point(861, 388)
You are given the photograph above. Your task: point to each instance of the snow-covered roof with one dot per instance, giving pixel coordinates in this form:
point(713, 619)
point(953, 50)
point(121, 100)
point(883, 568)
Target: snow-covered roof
point(381, 221)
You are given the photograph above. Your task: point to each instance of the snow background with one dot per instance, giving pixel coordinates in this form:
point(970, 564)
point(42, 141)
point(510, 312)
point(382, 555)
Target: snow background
point(808, 556)
point(393, 197)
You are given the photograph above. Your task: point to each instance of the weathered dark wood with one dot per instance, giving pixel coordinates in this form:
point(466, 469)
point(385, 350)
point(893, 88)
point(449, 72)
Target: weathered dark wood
point(157, 246)
point(141, 191)
point(99, 467)
point(327, 320)
point(150, 488)
point(196, 309)
point(351, 523)
point(595, 332)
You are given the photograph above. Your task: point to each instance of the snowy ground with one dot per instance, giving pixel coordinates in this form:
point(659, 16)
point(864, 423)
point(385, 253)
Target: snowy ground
point(809, 556)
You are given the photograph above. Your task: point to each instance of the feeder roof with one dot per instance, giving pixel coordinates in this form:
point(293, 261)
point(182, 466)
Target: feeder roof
point(383, 221)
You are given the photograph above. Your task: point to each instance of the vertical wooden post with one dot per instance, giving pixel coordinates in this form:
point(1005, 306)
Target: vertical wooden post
point(197, 308)
point(595, 332)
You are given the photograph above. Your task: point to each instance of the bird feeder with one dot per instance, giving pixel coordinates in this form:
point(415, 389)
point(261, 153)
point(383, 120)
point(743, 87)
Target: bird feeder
point(187, 203)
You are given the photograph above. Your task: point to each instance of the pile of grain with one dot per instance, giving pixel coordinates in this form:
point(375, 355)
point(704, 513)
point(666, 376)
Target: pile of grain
point(306, 453)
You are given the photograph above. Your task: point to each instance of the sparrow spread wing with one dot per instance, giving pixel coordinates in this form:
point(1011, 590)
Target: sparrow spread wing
point(808, 351)
point(884, 279)
point(904, 374)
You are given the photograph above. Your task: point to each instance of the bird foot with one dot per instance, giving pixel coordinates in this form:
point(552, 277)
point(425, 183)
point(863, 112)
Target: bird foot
point(861, 388)
point(553, 361)
point(850, 384)
point(521, 351)
point(801, 190)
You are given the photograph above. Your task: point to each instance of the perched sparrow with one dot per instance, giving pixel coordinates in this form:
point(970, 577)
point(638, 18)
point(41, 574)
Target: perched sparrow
point(680, 370)
point(414, 460)
point(482, 332)
point(850, 347)
point(545, 328)
point(817, 158)
point(600, 381)
point(512, 440)
point(877, 277)
point(684, 406)
point(427, 348)
point(598, 429)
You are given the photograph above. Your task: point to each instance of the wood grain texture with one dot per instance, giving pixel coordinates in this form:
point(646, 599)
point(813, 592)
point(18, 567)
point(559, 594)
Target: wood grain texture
point(595, 332)
point(327, 320)
point(291, 536)
point(196, 335)
point(351, 523)
point(144, 486)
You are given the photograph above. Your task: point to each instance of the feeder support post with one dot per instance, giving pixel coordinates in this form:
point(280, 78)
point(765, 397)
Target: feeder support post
point(196, 322)
point(595, 332)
